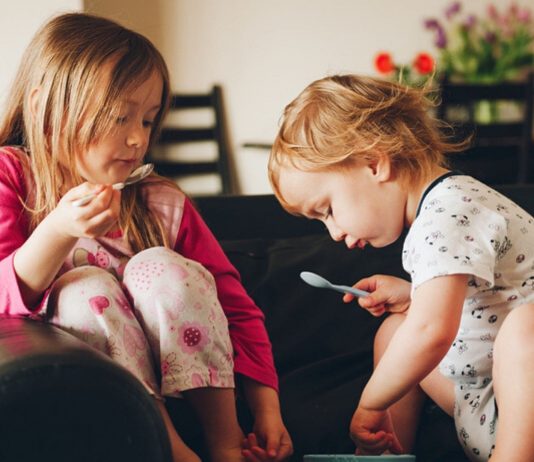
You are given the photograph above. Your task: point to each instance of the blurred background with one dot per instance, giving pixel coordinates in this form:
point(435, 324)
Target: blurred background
point(261, 53)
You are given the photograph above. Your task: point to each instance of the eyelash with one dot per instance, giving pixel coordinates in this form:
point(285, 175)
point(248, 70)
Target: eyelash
point(146, 123)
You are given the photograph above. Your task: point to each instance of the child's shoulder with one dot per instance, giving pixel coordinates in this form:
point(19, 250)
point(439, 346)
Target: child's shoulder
point(163, 197)
point(463, 191)
point(158, 190)
point(13, 161)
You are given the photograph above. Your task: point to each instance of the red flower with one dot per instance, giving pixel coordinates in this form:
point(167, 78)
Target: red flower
point(424, 63)
point(383, 63)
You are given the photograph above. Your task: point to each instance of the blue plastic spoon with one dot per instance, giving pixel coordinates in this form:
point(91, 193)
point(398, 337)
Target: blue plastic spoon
point(318, 281)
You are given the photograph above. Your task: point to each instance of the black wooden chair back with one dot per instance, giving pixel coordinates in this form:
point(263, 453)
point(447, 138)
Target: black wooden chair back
point(213, 132)
point(501, 149)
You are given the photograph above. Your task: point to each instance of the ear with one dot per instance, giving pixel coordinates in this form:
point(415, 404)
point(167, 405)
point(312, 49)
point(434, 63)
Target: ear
point(34, 101)
point(381, 167)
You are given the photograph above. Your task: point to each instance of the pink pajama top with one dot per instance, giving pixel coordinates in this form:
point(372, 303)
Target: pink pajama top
point(191, 237)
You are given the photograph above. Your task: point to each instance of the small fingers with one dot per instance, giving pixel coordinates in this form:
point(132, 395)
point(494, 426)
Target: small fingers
point(377, 311)
point(385, 442)
point(286, 449)
point(250, 456)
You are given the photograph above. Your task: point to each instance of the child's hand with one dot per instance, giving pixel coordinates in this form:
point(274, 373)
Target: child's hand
point(91, 220)
point(387, 293)
point(270, 441)
point(372, 432)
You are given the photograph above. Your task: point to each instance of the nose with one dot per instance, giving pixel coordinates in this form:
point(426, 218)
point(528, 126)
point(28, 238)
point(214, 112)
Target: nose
point(137, 135)
point(335, 232)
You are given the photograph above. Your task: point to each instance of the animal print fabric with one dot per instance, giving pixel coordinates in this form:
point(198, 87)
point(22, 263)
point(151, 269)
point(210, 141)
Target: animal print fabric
point(465, 227)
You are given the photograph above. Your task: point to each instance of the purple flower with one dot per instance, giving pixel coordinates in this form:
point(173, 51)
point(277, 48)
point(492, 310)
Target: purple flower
point(441, 37)
point(490, 37)
point(470, 21)
point(452, 10)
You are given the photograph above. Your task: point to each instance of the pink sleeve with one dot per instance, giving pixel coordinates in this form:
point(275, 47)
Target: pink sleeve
point(13, 232)
point(252, 347)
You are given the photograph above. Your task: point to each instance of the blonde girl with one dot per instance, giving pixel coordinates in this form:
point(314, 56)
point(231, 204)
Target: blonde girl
point(134, 273)
point(366, 158)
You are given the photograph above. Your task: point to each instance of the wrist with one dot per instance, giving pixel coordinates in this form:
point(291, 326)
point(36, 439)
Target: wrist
point(261, 399)
point(52, 227)
point(370, 401)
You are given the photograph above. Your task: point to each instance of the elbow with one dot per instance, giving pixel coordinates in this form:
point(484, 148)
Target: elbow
point(435, 337)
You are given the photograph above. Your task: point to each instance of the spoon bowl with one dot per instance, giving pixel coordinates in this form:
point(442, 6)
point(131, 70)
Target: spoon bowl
point(318, 281)
point(137, 175)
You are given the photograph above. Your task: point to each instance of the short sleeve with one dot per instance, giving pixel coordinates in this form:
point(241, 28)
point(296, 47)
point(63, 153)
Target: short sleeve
point(451, 236)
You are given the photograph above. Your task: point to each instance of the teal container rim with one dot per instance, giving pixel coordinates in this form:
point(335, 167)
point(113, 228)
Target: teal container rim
point(355, 458)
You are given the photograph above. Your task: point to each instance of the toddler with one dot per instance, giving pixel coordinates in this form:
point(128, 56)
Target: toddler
point(365, 157)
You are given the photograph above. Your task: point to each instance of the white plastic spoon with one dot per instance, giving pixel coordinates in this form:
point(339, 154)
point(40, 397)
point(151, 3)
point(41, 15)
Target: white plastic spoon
point(318, 281)
point(137, 175)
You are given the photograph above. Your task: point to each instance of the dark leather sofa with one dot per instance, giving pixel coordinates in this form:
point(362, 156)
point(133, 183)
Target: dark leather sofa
point(61, 400)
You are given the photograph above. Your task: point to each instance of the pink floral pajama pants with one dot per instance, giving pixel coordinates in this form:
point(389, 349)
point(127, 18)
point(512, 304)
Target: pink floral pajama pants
point(163, 316)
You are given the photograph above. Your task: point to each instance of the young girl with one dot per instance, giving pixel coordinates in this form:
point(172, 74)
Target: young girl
point(365, 157)
point(135, 273)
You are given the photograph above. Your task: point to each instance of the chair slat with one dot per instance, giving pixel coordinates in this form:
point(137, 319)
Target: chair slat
point(215, 132)
point(172, 169)
point(186, 135)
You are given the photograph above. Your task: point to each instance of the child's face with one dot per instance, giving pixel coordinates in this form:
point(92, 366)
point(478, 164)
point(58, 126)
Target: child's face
point(113, 157)
point(359, 205)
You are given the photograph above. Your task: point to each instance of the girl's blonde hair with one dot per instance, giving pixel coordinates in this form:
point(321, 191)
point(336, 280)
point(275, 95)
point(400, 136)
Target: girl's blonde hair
point(79, 100)
point(343, 119)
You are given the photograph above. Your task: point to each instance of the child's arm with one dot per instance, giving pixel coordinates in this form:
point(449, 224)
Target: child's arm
point(270, 439)
point(38, 260)
point(415, 350)
point(252, 348)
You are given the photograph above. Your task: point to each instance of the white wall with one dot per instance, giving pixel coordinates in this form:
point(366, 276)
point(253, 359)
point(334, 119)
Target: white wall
point(265, 52)
point(262, 52)
point(18, 22)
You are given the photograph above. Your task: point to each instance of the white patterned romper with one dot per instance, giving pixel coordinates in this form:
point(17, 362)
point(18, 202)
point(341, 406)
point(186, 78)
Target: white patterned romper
point(465, 227)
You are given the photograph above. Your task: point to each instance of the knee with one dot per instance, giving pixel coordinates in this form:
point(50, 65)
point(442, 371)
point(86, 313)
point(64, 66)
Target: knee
point(161, 277)
point(515, 335)
point(84, 275)
point(386, 331)
point(161, 263)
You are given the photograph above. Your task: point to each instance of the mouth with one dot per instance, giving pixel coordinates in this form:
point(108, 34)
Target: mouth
point(361, 244)
point(353, 244)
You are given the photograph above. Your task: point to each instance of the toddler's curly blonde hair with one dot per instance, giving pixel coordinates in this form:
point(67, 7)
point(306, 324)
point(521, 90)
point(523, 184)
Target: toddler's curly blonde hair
point(343, 119)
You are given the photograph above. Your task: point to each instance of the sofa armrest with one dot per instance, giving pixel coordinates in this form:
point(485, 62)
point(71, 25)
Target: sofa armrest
point(62, 400)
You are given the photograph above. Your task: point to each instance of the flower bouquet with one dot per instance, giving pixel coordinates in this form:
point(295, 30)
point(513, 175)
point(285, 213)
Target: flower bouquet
point(488, 49)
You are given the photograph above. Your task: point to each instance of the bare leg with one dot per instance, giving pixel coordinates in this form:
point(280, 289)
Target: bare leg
point(180, 452)
point(513, 381)
point(405, 412)
point(217, 412)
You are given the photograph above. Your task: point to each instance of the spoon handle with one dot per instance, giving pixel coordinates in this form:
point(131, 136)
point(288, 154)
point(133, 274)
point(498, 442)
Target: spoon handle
point(84, 200)
point(350, 290)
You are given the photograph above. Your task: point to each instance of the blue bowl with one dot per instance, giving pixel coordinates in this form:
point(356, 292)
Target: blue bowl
point(354, 458)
